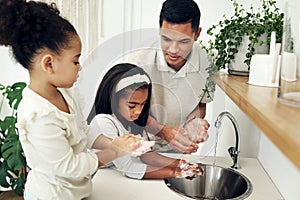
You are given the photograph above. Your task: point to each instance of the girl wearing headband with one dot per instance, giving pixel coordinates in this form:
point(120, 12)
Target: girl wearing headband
point(122, 106)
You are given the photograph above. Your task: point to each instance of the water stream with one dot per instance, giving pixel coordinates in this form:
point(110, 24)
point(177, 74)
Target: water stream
point(211, 194)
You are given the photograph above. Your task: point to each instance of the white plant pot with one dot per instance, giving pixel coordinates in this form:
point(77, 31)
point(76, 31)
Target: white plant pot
point(237, 65)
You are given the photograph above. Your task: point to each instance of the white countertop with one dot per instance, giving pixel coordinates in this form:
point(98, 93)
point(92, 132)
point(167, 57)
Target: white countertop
point(110, 184)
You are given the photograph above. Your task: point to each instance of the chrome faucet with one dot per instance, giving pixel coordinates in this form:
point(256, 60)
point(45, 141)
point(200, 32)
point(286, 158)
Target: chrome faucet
point(233, 151)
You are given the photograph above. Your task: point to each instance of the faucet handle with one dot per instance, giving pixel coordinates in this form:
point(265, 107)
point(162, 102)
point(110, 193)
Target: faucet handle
point(234, 154)
point(232, 151)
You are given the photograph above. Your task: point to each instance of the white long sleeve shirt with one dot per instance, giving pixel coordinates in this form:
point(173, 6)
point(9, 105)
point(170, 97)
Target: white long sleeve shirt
point(55, 145)
point(111, 127)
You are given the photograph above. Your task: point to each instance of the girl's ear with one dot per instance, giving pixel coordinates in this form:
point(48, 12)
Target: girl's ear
point(46, 63)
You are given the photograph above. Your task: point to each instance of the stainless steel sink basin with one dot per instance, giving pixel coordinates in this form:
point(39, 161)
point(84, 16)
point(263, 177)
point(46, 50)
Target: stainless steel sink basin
point(217, 183)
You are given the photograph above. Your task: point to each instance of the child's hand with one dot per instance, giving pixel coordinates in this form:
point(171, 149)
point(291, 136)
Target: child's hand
point(188, 170)
point(126, 144)
point(145, 147)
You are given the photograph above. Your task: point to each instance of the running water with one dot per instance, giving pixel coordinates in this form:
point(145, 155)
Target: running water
point(215, 147)
point(211, 194)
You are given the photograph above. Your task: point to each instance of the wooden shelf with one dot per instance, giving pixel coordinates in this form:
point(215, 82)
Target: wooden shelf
point(279, 122)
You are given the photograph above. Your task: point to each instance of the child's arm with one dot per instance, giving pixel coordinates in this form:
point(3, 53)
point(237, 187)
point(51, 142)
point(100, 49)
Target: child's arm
point(115, 148)
point(158, 160)
point(102, 142)
point(160, 166)
point(183, 170)
point(159, 172)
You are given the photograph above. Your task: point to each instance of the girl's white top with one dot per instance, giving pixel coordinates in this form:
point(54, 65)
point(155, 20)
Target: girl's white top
point(55, 145)
point(110, 126)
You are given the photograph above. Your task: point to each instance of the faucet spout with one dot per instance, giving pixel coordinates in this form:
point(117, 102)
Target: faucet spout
point(233, 151)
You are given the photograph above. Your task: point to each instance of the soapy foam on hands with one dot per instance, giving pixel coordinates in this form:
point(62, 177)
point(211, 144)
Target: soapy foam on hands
point(145, 147)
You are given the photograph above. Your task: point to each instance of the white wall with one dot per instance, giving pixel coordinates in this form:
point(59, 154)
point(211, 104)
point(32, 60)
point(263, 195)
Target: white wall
point(121, 16)
point(10, 72)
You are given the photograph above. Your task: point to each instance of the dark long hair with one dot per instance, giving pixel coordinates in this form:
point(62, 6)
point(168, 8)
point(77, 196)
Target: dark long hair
point(107, 100)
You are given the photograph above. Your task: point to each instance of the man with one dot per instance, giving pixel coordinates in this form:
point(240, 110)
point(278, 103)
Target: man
point(176, 66)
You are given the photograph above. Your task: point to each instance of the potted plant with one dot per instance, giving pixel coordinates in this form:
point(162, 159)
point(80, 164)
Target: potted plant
point(231, 33)
point(12, 160)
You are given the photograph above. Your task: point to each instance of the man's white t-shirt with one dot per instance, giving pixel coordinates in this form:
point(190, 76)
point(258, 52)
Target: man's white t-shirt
point(175, 94)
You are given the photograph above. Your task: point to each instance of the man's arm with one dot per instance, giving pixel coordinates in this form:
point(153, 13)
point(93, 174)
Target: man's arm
point(196, 125)
point(199, 111)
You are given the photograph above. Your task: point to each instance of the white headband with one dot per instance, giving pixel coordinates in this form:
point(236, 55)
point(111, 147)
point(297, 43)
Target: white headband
point(125, 82)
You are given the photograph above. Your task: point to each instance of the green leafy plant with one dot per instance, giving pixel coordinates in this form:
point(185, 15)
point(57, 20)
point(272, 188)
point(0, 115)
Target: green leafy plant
point(229, 32)
point(12, 160)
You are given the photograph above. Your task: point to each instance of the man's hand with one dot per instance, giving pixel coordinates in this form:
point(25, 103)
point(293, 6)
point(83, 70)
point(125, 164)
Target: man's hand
point(197, 129)
point(178, 139)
